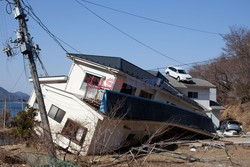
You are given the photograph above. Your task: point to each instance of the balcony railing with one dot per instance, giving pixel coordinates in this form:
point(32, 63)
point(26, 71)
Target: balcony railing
point(94, 94)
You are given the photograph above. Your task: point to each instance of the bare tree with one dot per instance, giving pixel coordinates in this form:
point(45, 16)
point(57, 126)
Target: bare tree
point(231, 71)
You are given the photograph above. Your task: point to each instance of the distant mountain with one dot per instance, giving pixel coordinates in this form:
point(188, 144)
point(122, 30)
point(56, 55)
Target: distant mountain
point(21, 94)
point(3, 92)
point(18, 96)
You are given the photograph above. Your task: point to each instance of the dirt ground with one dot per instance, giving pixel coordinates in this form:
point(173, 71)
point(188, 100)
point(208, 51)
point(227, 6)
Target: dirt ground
point(239, 112)
point(205, 156)
point(214, 157)
point(238, 156)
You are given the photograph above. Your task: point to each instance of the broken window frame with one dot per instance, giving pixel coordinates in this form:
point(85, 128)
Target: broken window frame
point(128, 89)
point(145, 94)
point(70, 130)
point(94, 83)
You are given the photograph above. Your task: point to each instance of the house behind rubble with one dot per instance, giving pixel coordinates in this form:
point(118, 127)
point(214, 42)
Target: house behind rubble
point(204, 93)
point(106, 103)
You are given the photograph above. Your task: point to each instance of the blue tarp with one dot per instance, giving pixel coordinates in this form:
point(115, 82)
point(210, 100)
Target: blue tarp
point(137, 108)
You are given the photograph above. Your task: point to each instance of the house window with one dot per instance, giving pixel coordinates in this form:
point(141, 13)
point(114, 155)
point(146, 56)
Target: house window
point(145, 94)
point(128, 89)
point(90, 81)
point(74, 131)
point(56, 113)
point(173, 69)
point(193, 95)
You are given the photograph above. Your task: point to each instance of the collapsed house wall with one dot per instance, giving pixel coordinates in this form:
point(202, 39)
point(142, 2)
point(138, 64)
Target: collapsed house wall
point(114, 80)
point(113, 134)
point(215, 115)
point(80, 118)
point(76, 121)
point(78, 75)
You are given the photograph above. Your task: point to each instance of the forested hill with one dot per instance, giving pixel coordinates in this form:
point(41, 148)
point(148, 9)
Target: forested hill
point(18, 96)
point(231, 74)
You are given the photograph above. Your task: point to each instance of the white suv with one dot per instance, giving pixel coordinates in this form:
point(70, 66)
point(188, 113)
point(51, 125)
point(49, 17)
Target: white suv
point(178, 73)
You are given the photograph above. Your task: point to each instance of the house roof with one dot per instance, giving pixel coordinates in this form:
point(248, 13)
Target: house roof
point(133, 70)
point(175, 83)
point(133, 108)
point(196, 82)
point(158, 74)
point(215, 105)
point(116, 63)
point(167, 86)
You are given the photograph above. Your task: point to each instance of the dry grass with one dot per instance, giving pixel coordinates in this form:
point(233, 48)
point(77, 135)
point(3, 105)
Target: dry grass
point(205, 157)
point(239, 112)
point(208, 158)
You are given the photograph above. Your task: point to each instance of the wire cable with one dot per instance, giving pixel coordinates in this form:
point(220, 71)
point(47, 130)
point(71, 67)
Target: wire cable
point(42, 65)
point(126, 34)
point(58, 40)
point(196, 63)
point(154, 20)
point(8, 7)
point(16, 82)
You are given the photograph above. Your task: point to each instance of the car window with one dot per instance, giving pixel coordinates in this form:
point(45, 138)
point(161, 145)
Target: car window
point(182, 71)
point(233, 122)
point(174, 69)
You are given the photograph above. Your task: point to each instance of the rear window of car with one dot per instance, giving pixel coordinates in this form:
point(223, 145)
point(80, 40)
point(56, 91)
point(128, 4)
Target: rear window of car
point(234, 122)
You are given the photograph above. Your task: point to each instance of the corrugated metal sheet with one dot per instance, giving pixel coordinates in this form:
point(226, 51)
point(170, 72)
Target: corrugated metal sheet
point(137, 108)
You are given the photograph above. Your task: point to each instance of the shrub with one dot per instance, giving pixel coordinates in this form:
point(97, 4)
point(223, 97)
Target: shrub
point(24, 123)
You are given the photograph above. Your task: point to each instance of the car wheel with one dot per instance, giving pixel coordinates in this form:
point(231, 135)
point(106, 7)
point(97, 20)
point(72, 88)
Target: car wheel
point(178, 79)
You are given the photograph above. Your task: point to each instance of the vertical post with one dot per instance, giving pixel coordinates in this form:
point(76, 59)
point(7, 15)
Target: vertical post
point(22, 103)
point(4, 112)
point(29, 51)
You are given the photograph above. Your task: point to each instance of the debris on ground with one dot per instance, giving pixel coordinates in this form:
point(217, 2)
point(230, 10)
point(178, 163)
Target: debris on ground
point(233, 151)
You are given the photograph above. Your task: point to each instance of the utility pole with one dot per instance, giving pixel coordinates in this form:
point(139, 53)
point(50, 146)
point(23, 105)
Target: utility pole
point(28, 49)
point(4, 112)
point(22, 102)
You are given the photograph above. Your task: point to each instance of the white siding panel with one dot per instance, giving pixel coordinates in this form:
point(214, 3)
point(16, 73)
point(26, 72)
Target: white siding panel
point(75, 110)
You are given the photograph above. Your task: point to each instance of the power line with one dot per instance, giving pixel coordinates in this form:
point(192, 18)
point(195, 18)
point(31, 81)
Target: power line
point(11, 90)
point(42, 65)
point(198, 62)
point(187, 64)
point(154, 20)
point(45, 28)
point(195, 63)
point(126, 34)
point(39, 22)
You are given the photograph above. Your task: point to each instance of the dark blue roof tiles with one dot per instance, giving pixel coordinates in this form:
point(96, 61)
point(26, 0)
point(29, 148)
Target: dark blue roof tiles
point(138, 108)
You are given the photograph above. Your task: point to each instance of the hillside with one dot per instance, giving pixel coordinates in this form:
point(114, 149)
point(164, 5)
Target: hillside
point(239, 112)
point(231, 75)
point(12, 96)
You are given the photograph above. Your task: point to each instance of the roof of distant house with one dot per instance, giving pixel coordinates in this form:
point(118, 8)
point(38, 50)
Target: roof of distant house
point(196, 82)
point(134, 71)
point(215, 105)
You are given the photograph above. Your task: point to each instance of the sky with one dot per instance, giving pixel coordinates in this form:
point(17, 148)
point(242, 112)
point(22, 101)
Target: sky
point(80, 28)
